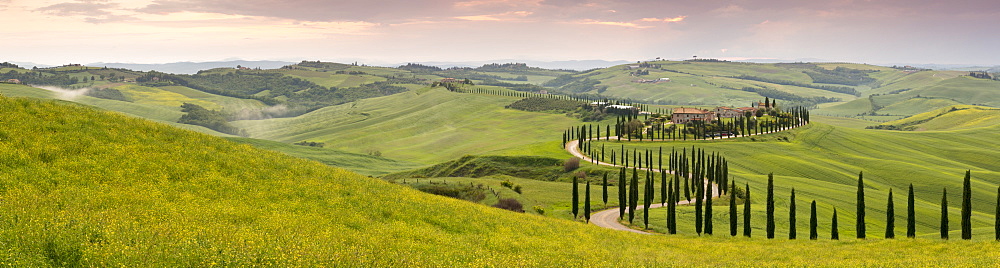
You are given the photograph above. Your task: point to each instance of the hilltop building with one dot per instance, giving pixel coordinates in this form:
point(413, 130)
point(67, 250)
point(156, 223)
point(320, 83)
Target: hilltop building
point(685, 115)
point(726, 112)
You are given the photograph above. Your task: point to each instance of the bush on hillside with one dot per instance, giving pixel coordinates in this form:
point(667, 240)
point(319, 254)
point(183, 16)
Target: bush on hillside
point(108, 94)
point(510, 204)
point(571, 164)
point(214, 120)
point(464, 192)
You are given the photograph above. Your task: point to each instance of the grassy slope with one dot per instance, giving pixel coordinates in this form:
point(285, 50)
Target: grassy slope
point(822, 162)
point(425, 126)
point(157, 113)
point(922, 92)
point(700, 83)
point(167, 197)
point(952, 118)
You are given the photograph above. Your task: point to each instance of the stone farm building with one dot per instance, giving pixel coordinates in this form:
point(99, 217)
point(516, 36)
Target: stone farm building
point(726, 112)
point(685, 115)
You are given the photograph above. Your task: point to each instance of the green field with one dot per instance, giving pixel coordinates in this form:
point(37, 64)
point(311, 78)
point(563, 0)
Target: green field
point(950, 118)
point(425, 126)
point(168, 197)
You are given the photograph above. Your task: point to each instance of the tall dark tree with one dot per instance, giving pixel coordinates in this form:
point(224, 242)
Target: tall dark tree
point(663, 186)
point(834, 231)
point(604, 188)
point(633, 195)
point(732, 210)
point(890, 218)
point(708, 210)
point(944, 214)
point(698, 203)
point(967, 206)
point(622, 199)
point(586, 203)
point(813, 235)
point(672, 207)
point(770, 205)
point(670, 198)
point(911, 219)
point(859, 223)
point(746, 213)
point(791, 216)
point(576, 198)
point(647, 197)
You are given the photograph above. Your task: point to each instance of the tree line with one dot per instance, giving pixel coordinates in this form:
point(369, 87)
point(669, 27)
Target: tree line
point(715, 170)
point(629, 126)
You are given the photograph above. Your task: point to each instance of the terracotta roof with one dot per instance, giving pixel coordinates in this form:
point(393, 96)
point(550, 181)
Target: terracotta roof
point(689, 111)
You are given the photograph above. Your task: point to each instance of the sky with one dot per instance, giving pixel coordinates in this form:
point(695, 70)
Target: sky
point(395, 31)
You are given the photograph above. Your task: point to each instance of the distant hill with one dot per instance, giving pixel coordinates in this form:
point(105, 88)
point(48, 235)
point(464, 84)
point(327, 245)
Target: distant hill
point(192, 67)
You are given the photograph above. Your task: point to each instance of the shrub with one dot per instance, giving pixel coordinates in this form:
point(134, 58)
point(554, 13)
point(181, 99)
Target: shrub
point(571, 164)
point(507, 183)
point(510, 204)
point(539, 209)
point(517, 189)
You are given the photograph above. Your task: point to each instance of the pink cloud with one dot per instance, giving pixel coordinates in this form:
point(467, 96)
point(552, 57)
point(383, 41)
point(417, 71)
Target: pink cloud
point(508, 16)
point(675, 19)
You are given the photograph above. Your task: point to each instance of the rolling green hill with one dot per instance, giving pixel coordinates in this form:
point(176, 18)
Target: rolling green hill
point(426, 126)
point(948, 118)
point(82, 187)
point(921, 92)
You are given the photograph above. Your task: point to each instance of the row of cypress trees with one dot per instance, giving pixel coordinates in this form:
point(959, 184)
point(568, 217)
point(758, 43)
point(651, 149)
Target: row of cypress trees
point(746, 126)
point(704, 216)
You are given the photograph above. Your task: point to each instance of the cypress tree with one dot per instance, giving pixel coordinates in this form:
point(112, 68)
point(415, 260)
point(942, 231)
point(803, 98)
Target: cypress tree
point(663, 186)
point(698, 211)
point(890, 218)
point(791, 217)
point(834, 232)
point(576, 198)
point(860, 220)
point(732, 210)
point(746, 213)
point(813, 235)
point(604, 190)
point(672, 207)
point(770, 205)
point(670, 198)
point(911, 219)
point(944, 214)
point(967, 206)
point(647, 200)
point(586, 203)
point(622, 201)
point(633, 195)
point(708, 210)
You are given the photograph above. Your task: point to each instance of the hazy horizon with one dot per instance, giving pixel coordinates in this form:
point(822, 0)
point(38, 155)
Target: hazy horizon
point(56, 32)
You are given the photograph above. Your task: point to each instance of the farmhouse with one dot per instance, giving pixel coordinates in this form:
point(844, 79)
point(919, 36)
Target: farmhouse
point(726, 112)
point(655, 81)
point(685, 115)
